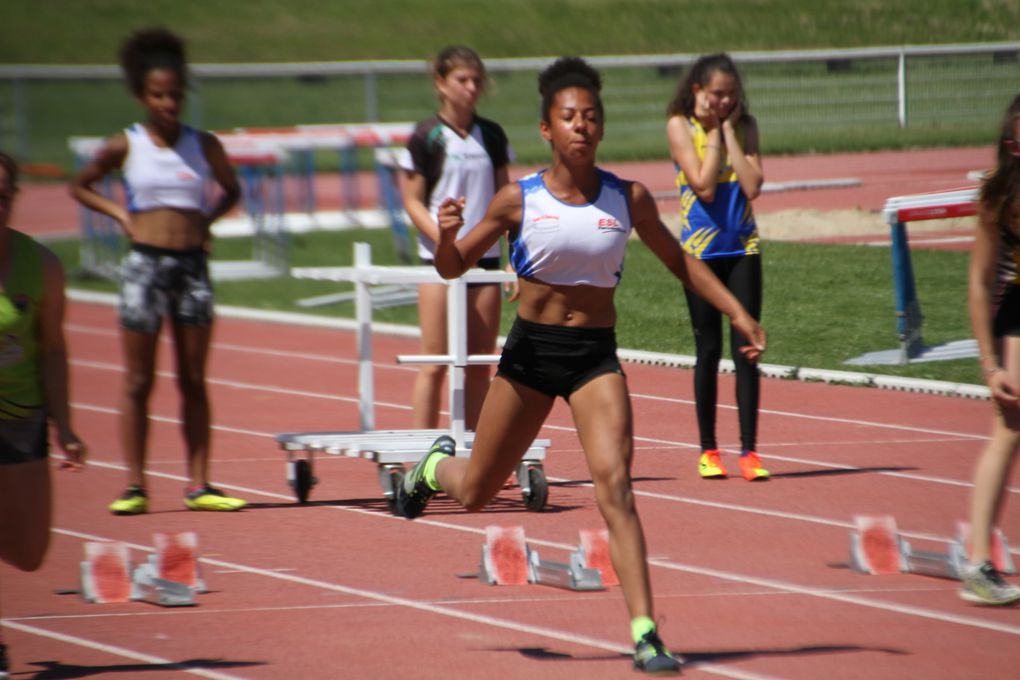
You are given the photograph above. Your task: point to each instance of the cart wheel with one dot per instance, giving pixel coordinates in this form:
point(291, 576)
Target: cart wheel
point(535, 499)
point(302, 479)
point(396, 481)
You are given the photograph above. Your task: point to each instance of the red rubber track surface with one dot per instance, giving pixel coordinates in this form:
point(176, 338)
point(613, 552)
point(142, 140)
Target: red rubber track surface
point(751, 580)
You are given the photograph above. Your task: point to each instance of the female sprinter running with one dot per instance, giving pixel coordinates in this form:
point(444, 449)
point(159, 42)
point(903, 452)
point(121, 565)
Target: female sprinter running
point(994, 301)
point(455, 153)
point(167, 167)
point(568, 227)
point(714, 144)
point(33, 388)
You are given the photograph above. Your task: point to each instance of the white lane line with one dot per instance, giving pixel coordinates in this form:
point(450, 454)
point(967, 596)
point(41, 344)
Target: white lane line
point(123, 652)
point(658, 562)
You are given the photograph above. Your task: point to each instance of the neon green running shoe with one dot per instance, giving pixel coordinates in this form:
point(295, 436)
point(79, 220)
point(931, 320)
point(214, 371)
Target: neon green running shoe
point(652, 657)
point(415, 493)
point(132, 502)
point(983, 584)
point(211, 498)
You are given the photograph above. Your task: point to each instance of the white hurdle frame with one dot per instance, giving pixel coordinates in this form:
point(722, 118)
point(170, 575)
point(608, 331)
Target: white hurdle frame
point(390, 449)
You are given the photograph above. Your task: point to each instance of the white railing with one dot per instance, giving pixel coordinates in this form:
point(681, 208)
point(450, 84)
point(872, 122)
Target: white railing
point(789, 90)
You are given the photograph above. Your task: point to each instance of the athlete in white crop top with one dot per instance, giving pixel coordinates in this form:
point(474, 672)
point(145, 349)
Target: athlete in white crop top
point(163, 176)
point(569, 227)
point(167, 167)
point(572, 245)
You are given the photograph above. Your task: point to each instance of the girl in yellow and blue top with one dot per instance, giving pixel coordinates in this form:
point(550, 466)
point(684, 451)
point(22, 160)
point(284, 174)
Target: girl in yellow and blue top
point(714, 144)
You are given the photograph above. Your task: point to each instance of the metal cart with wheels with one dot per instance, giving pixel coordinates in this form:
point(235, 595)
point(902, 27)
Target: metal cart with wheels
point(392, 449)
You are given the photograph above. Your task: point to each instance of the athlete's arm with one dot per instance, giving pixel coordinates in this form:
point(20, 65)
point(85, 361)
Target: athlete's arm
point(413, 194)
point(53, 360)
point(702, 175)
point(109, 158)
point(745, 160)
point(980, 282)
point(691, 271)
point(224, 175)
point(454, 257)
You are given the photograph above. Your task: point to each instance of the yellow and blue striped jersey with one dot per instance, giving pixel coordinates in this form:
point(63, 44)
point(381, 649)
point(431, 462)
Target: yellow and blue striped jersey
point(726, 226)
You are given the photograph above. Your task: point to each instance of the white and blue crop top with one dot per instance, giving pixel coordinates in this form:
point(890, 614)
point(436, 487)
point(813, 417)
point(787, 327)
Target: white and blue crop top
point(572, 245)
point(165, 177)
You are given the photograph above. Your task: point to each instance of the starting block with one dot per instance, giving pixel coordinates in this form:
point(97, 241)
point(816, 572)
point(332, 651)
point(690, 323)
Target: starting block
point(876, 547)
point(169, 578)
point(508, 560)
point(106, 573)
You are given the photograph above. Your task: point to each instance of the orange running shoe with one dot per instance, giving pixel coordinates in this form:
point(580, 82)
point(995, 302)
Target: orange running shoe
point(751, 469)
point(709, 465)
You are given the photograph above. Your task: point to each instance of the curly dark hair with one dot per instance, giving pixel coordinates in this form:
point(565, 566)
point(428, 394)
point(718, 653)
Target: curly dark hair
point(569, 72)
point(700, 73)
point(8, 163)
point(148, 49)
point(1000, 192)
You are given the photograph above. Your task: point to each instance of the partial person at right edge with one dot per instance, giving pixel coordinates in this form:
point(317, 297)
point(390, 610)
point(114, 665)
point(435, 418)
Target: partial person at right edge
point(994, 302)
point(714, 144)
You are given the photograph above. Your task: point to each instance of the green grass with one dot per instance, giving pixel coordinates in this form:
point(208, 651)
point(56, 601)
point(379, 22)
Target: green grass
point(326, 30)
point(802, 107)
point(807, 328)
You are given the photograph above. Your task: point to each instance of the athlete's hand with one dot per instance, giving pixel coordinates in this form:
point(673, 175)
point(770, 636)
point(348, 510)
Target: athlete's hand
point(704, 112)
point(450, 217)
point(755, 334)
point(1003, 390)
point(512, 289)
point(74, 450)
point(734, 115)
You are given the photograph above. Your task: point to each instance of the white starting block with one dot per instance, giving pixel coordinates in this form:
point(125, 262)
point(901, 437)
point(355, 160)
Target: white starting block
point(169, 578)
point(392, 449)
point(507, 559)
point(876, 547)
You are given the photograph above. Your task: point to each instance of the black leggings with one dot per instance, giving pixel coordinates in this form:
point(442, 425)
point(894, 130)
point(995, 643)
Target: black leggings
point(742, 275)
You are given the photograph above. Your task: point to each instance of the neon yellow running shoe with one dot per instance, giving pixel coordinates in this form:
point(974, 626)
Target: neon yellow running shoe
point(709, 465)
point(211, 498)
point(652, 657)
point(132, 502)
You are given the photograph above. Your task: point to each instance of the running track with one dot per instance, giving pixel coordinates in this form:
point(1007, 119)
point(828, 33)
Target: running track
point(750, 579)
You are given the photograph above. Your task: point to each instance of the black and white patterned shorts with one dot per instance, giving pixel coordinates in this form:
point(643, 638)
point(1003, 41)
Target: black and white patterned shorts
point(157, 282)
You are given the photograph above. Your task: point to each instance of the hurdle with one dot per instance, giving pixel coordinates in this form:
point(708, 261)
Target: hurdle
point(391, 449)
point(898, 212)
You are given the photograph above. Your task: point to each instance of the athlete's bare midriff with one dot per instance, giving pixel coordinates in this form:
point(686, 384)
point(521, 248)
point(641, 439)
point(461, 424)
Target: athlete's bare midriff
point(169, 228)
point(578, 306)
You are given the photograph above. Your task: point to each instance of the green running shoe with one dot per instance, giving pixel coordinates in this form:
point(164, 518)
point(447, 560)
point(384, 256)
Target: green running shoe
point(132, 502)
point(983, 584)
point(211, 498)
point(651, 656)
point(415, 493)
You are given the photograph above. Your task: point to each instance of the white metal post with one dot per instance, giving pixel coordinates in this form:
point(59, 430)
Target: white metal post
point(901, 88)
point(363, 310)
point(456, 335)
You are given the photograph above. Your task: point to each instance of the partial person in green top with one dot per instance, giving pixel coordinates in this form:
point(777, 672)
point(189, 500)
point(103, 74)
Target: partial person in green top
point(33, 388)
point(714, 144)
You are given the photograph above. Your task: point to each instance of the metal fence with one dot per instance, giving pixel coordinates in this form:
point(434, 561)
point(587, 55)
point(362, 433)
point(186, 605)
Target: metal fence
point(819, 99)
